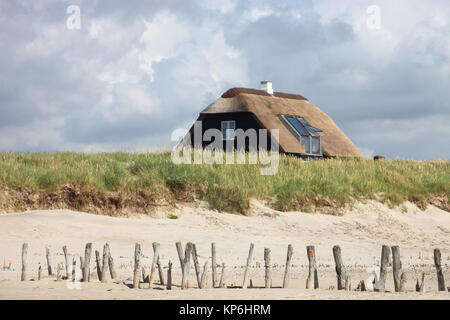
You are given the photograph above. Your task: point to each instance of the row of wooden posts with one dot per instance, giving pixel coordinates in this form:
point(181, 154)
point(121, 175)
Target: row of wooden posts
point(343, 279)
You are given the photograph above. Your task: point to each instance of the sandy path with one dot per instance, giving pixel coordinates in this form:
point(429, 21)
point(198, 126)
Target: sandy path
point(360, 234)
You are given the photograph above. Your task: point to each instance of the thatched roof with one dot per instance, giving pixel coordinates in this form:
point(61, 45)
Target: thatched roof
point(267, 109)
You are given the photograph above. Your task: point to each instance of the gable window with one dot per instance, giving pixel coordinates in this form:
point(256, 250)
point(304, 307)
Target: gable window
point(228, 128)
point(308, 135)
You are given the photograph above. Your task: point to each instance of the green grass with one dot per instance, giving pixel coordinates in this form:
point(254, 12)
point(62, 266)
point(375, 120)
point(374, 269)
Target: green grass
point(298, 185)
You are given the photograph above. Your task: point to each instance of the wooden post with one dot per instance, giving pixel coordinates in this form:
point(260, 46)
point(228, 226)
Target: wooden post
point(213, 264)
point(180, 254)
point(187, 266)
point(24, 262)
point(74, 269)
point(39, 272)
point(196, 265)
point(169, 276)
point(153, 269)
point(396, 267)
point(440, 275)
point(249, 259)
point(222, 277)
point(161, 272)
point(66, 261)
point(81, 264)
point(340, 269)
point(112, 270)
point(420, 285)
point(204, 275)
point(58, 273)
point(137, 265)
point(104, 274)
point(290, 251)
point(267, 276)
point(348, 286)
point(145, 277)
point(87, 262)
point(98, 262)
point(49, 264)
point(313, 276)
point(403, 282)
point(380, 285)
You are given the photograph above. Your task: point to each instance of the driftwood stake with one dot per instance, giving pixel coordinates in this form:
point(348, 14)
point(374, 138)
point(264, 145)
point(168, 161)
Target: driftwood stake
point(249, 259)
point(440, 275)
point(104, 274)
point(180, 254)
point(112, 270)
point(403, 280)
point(267, 275)
point(213, 265)
point(74, 269)
point(145, 277)
point(161, 272)
point(66, 261)
point(340, 269)
point(313, 276)
point(98, 262)
point(204, 275)
point(396, 267)
point(39, 272)
point(381, 283)
point(137, 265)
point(24, 262)
point(87, 262)
point(186, 266)
point(169, 276)
point(222, 277)
point(49, 264)
point(290, 251)
point(196, 264)
point(420, 285)
point(153, 269)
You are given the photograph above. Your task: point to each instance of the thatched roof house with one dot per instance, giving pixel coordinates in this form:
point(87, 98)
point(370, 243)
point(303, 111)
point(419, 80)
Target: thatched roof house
point(304, 129)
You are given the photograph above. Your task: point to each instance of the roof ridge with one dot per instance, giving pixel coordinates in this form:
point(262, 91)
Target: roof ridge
point(233, 92)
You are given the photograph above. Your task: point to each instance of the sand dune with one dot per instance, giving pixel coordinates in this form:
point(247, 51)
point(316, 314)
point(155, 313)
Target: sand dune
point(360, 233)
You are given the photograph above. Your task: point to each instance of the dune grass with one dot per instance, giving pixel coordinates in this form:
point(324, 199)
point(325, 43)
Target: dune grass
point(298, 185)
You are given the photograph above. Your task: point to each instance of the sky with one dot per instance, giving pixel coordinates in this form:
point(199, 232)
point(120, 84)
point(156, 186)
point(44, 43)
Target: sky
point(123, 75)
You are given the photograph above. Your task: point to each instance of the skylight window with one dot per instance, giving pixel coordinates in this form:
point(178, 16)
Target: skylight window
point(308, 135)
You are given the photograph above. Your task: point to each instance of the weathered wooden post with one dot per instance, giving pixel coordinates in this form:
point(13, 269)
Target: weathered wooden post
point(290, 251)
point(381, 283)
point(137, 265)
point(49, 264)
point(403, 280)
point(213, 264)
point(169, 276)
point(204, 275)
point(196, 265)
point(87, 262)
point(39, 272)
point(145, 277)
point(340, 269)
point(24, 262)
point(112, 270)
point(74, 269)
point(313, 276)
point(66, 261)
point(104, 274)
point(396, 267)
point(267, 275)
point(153, 269)
point(180, 254)
point(222, 277)
point(249, 259)
point(58, 272)
point(186, 266)
point(440, 275)
point(98, 262)
point(160, 271)
point(420, 285)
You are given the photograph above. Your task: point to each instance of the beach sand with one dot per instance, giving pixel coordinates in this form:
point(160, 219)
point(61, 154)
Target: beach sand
point(360, 232)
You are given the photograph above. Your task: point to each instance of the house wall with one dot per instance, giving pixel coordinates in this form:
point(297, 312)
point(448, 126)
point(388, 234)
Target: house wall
point(244, 121)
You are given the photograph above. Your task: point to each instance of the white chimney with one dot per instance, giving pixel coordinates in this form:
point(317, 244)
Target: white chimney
point(267, 87)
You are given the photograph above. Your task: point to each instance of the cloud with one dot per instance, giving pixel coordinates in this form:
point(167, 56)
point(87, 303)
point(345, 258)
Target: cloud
point(137, 70)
